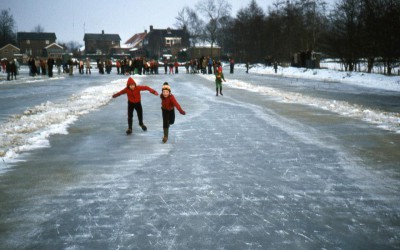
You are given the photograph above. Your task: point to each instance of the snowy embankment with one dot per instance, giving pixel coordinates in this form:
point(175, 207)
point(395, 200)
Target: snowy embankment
point(384, 120)
point(378, 81)
point(32, 129)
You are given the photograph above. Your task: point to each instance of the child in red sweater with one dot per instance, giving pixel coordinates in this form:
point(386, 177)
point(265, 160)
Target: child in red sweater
point(168, 105)
point(134, 98)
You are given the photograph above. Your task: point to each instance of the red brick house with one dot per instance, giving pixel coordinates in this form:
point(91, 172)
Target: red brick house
point(33, 43)
point(101, 44)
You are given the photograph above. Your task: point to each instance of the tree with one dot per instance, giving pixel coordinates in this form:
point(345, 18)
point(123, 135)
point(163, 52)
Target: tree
point(38, 28)
point(382, 25)
point(72, 47)
point(314, 21)
point(248, 27)
point(345, 37)
point(225, 37)
point(214, 11)
point(7, 26)
point(189, 20)
point(286, 25)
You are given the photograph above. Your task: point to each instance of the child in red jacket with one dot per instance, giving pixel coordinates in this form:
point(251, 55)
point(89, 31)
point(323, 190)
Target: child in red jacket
point(134, 98)
point(168, 105)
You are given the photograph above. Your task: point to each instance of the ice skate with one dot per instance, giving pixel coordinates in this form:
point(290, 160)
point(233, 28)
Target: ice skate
point(143, 127)
point(165, 138)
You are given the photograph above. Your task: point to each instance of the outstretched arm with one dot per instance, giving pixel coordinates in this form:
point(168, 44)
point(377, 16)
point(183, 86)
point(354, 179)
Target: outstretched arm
point(141, 88)
point(119, 93)
point(176, 104)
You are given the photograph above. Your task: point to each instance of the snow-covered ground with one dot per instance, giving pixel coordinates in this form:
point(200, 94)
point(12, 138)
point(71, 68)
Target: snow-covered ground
point(377, 81)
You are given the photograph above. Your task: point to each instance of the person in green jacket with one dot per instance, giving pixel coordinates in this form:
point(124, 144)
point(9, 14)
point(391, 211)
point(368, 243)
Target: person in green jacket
point(219, 77)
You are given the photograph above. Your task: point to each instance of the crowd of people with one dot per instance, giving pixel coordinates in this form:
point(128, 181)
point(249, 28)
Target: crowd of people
point(39, 66)
point(126, 66)
point(11, 68)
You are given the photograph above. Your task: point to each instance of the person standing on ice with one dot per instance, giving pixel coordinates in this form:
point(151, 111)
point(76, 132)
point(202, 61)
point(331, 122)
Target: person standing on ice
point(231, 65)
point(219, 76)
point(168, 105)
point(88, 66)
point(134, 102)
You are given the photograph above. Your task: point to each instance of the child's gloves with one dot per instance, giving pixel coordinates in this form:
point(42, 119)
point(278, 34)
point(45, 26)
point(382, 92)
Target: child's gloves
point(155, 93)
point(114, 95)
point(183, 113)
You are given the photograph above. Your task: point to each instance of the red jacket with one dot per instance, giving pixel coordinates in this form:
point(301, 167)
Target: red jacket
point(170, 102)
point(133, 95)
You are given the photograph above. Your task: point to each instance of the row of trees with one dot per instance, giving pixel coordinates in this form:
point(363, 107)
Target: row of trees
point(350, 30)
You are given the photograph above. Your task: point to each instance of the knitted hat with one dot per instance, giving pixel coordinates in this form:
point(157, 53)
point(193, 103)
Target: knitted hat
point(166, 87)
point(130, 82)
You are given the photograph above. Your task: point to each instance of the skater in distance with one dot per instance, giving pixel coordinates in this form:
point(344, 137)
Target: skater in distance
point(219, 76)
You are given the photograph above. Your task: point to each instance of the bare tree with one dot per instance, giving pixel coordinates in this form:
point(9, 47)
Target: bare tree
point(213, 12)
point(346, 32)
point(7, 26)
point(382, 38)
point(189, 20)
point(38, 29)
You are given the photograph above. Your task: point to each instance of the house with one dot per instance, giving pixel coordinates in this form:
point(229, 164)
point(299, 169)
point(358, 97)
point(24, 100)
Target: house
point(33, 43)
point(204, 50)
point(53, 50)
point(135, 44)
point(136, 41)
point(9, 51)
point(158, 42)
point(101, 44)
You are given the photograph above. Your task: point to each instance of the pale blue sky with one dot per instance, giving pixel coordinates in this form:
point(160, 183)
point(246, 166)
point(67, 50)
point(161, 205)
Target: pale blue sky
point(71, 19)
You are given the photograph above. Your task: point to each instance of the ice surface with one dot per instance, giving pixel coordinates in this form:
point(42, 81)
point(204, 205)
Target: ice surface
point(247, 170)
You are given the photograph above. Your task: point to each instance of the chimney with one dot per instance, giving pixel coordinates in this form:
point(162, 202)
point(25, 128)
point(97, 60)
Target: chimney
point(102, 32)
point(145, 31)
point(151, 28)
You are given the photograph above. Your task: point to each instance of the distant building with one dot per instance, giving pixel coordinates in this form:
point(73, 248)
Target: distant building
point(204, 50)
point(54, 50)
point(135, 44)
point(101, 44)
point(158, 42)
point(9, 51)
point(33, 43)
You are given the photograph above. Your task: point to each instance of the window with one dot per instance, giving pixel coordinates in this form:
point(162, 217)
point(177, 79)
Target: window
point(172, 40)
point(28, 41)
point(47, 42)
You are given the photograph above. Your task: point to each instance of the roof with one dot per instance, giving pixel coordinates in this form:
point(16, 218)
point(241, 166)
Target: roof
point(102, 36)
point(169, 32)
point(36, 36)
point(9, 45)
point(54, 46)
point(136, 39)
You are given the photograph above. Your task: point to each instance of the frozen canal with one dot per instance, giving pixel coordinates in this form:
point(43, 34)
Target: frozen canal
point(249, 170)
